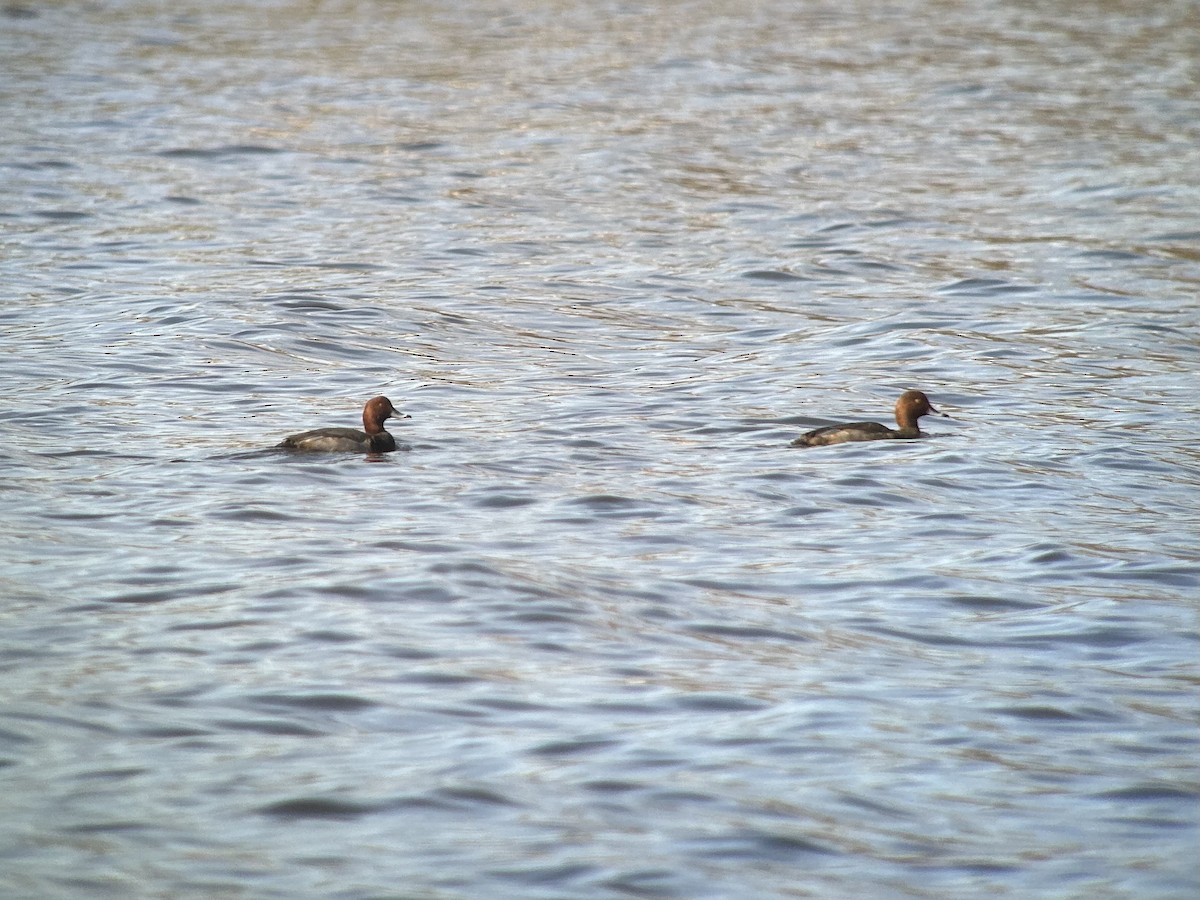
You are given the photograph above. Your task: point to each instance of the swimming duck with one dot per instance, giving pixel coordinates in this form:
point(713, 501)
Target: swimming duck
point(910, 407)
point(373, 439)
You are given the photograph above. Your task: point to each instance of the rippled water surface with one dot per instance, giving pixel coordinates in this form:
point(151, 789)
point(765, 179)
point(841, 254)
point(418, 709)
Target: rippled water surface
point(596, 630)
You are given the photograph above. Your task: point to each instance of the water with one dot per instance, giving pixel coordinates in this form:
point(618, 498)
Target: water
point(596, 630)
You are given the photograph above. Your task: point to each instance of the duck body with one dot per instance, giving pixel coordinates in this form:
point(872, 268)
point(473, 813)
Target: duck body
point(333, 440)
point(910, 407)
point(853, 431)
point(373, 439)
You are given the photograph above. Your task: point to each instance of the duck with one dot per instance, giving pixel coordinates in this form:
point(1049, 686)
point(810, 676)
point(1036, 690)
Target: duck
point(373, 438)
point(910, 407)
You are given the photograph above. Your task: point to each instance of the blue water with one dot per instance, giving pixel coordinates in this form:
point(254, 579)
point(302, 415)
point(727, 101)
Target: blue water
point(596, 630)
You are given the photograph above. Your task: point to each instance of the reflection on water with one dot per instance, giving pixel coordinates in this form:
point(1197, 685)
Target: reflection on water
point(596, 630)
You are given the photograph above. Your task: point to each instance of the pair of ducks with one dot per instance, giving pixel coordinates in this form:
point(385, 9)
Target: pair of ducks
point(374, 439)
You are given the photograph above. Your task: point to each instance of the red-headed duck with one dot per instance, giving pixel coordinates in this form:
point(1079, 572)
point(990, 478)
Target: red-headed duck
point(373, 440)
point(910, 407)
